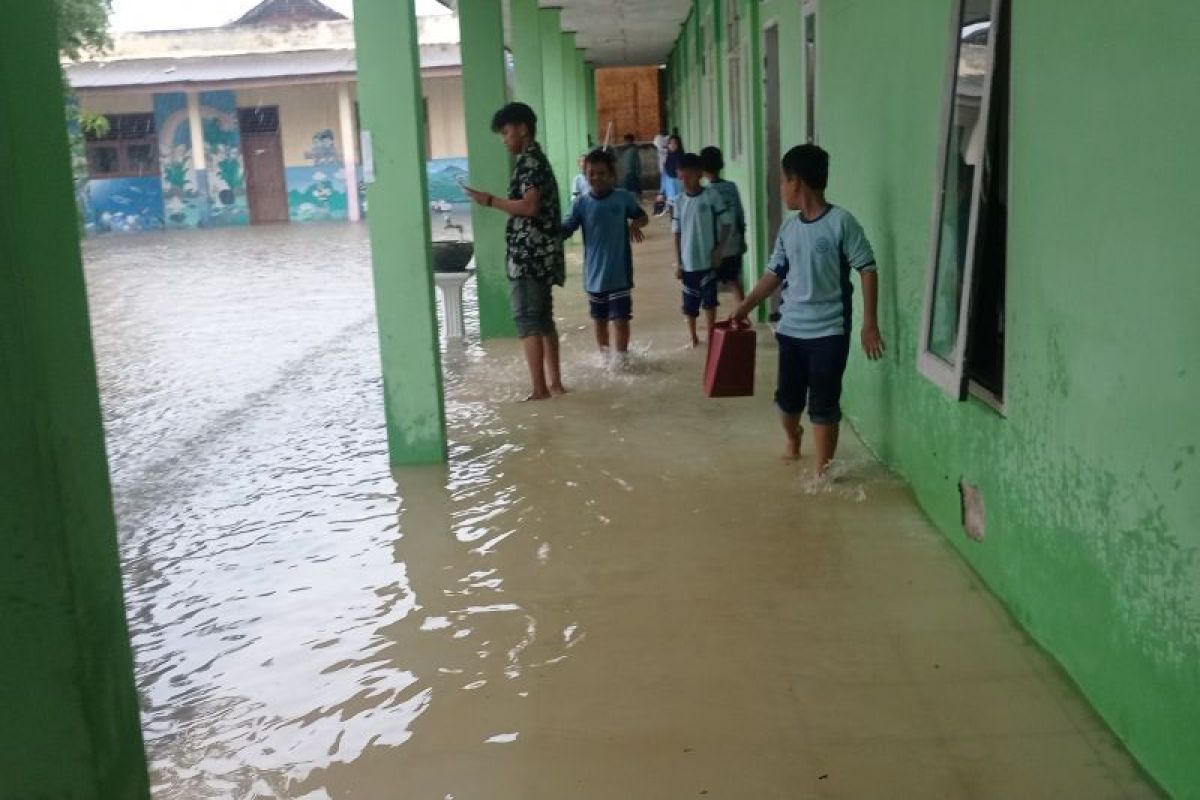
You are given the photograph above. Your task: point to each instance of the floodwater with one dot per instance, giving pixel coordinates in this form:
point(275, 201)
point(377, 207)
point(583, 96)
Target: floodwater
point(617, 594)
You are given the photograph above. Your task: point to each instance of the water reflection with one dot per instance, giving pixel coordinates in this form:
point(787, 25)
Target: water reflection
point(282, 585)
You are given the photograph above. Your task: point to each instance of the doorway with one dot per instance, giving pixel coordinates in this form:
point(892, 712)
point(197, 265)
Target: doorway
point(262, 150)
point(810, 71)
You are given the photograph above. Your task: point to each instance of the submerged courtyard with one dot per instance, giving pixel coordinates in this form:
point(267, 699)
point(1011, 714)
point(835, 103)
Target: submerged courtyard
point(619, 593)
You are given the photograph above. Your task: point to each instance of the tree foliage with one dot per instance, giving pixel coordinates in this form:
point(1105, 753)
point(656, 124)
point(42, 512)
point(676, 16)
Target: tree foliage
point(82, 25)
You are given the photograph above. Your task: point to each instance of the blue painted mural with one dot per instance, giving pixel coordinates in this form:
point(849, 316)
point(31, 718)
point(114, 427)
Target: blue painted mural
point(122, 205)
point(317, 193)
point(184, 194)
point(443, 175)
point(227, 202)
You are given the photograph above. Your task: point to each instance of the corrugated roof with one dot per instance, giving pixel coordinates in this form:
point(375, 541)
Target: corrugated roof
point(285, 12)
point(240, 67)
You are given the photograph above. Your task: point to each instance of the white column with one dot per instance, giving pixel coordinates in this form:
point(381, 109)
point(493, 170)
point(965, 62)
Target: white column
point(349, 151)
point(197, 129)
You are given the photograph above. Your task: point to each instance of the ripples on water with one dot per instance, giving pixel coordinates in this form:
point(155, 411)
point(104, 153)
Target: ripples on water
point(278, 586)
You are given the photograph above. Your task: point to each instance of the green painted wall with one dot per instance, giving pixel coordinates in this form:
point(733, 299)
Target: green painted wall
point(70, 726)
point(389, 90)
point(1089, 478)
point(481, 28)
point(552, 126)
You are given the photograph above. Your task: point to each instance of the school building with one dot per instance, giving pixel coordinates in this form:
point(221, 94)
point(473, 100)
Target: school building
point(1025, 170)
point(272, 97)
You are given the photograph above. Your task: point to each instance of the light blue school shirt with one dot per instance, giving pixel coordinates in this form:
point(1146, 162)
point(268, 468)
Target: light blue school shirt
point(736, 216)
point(698, 220)
point(813, 258)
point(608, 259)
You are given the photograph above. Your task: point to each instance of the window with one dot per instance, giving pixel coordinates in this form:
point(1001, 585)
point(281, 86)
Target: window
point(810, 71)
point(962, 338)
point(128, 150)
point(260, 119)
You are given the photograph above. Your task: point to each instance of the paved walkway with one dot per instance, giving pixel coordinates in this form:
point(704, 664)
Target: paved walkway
point(622, 593)
point(701, 619)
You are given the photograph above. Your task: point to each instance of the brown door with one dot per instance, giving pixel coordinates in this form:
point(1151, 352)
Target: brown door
point(262, 150)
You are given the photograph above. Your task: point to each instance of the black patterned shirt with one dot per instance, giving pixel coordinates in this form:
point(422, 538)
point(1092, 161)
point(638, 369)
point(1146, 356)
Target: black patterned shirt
point(535, 247)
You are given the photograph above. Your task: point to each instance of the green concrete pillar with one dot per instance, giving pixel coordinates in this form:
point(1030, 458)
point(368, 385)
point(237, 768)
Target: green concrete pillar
point(481, 31)
point(525, 38)
point(552, 127)
point(581, 133)
point(570, 116)
point(70, 726)
point(593, 120)
point(389, 93)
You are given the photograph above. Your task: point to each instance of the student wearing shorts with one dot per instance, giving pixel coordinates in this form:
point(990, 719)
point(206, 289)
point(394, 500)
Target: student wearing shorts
point(729, 273)
point(610, 218)
point(702, 229)
point(815, 254)
point(535, 250)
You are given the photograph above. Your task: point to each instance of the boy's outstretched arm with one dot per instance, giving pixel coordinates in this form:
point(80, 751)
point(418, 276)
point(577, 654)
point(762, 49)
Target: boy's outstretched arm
point(872, 340)
point(678, 256)
point(765, 287)
point(635, 227)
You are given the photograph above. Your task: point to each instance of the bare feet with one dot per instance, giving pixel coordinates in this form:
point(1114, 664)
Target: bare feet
point(792, 451)
point(695, 342)
point(536, 396)
point(557, 390)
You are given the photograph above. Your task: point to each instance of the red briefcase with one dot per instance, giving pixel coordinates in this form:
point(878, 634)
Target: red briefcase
point(729, 371)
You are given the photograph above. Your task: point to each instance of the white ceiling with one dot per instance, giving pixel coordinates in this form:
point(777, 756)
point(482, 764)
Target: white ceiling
point(621, 32)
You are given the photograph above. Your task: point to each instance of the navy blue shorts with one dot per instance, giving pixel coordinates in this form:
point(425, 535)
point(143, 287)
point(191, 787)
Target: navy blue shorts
point(730, 270)
point(699, 291)
point(810, 375)
point(611, 305)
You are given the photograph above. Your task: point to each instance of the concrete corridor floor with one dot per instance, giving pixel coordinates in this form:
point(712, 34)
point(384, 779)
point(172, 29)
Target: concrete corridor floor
point(621, 593)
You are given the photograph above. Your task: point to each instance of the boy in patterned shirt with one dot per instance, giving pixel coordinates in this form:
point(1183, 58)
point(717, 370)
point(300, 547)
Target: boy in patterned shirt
point(535, 249)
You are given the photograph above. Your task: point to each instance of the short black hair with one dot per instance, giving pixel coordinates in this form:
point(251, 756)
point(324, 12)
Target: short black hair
point(689, 161)
point(601, 156)
point(515, 114)
point(809, 163)
point(711, 159)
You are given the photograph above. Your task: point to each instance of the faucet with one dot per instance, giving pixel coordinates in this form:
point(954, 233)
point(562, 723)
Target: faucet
point(450, 224)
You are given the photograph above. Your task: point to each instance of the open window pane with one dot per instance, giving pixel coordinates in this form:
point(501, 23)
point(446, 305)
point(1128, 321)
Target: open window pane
point(965, 228)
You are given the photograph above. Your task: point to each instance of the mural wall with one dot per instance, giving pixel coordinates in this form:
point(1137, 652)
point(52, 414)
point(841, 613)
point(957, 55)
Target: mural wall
point(184, 189)
point(317, 189)
point(122, 205)
point(227, 203)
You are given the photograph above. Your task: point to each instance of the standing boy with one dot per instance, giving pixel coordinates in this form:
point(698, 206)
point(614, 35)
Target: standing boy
point(702, 229)
point(610, 219)
point(535, 249)
point(730, 271)
point(814, 254)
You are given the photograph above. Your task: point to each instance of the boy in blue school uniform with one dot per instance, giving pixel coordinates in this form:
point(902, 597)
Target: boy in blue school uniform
point(729, 273)
point(815, 253)
point(702, 229)
point(610, 219)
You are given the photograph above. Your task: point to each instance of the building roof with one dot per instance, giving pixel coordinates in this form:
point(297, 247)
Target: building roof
point(239, 68)
point(288, 12)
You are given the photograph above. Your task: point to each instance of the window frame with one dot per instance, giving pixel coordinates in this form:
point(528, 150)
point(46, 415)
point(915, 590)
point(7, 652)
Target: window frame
point(122, 143)
point(950, 376)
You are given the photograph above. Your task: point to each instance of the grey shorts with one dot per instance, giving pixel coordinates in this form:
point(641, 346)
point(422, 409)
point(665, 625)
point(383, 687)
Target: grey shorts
point(532, 307)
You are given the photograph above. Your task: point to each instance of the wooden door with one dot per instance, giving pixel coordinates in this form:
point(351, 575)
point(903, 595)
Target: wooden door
point(266, 181)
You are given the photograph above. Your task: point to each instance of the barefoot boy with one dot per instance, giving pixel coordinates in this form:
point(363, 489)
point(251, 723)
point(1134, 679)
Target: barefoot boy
point(702, 230)
point(729, 273)
point(610, 219)
point(814, 254)
point(535, 250)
